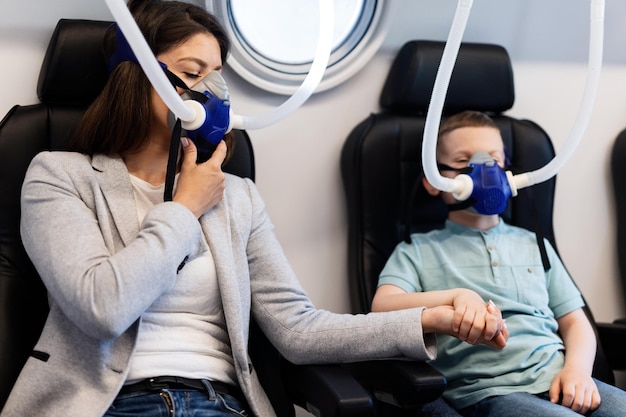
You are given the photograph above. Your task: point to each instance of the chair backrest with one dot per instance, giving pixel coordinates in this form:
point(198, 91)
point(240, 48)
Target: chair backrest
point(381, 158)
point(72, 74)
point(618, 176)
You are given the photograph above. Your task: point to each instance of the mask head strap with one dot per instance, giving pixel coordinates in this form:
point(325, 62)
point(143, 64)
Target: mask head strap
point(461, 205)
point(444, 167)
point(123, 52)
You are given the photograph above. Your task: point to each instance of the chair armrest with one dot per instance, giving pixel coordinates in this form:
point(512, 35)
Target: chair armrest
point(403, 383)
point(326, 390)
point(612, 336)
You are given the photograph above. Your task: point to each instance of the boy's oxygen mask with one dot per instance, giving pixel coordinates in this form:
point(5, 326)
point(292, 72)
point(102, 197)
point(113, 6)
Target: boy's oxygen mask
point(491, 189)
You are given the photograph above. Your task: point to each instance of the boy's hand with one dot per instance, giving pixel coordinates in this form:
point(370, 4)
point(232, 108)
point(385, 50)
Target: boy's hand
point(574, 390)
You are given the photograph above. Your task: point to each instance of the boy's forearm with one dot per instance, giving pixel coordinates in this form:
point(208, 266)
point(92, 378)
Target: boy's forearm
point(395, 300)
point(579, 341)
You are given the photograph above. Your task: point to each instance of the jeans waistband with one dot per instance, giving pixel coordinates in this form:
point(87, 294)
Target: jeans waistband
point(175, 382)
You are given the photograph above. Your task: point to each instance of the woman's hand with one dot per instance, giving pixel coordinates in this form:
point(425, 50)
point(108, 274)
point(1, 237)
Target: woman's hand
point(200, 186)
point(501, 336)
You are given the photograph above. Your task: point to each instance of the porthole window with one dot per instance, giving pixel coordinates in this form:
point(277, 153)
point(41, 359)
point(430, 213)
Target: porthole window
point(274, 41)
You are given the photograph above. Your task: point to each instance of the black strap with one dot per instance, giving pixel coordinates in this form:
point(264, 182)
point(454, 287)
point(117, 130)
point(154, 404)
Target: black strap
point(172, 162)
point(408, 214)
point(461, 205)
point(538, 231)
point(175, 80)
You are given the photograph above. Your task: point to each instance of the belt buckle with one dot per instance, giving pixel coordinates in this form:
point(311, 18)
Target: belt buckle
point(154, 385)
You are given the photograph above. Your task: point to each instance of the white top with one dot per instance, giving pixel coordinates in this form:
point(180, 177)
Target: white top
point(184, 332)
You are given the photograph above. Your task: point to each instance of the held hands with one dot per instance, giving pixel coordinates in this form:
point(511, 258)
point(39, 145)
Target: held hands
point(200, 186)
point(476, 322)
point(574, 390)
point(470, 319)
point(457, 312)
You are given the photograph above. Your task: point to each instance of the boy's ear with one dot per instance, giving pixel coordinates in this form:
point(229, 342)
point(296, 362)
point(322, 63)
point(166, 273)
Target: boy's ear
point(429, 188)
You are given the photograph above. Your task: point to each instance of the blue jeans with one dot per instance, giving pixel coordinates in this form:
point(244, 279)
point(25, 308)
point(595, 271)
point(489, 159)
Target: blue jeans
point(176, 403)
point(519, 404)
point(438, 408)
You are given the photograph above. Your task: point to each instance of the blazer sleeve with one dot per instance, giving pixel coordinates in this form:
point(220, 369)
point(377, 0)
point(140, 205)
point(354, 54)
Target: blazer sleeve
point(73, 219)
point(304, 334)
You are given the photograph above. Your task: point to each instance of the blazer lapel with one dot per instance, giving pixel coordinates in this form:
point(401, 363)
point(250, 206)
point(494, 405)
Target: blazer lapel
point(118, 193)
point(217, 229)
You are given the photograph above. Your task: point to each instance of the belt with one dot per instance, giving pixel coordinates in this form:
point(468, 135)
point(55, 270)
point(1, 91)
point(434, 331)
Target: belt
point(175, 382)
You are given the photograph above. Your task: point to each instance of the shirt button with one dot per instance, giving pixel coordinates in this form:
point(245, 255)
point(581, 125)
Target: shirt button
point(490, 247)
point(494, 263)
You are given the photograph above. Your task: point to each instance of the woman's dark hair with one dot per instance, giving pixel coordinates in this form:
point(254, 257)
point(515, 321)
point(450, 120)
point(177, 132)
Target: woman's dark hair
point(118, 121)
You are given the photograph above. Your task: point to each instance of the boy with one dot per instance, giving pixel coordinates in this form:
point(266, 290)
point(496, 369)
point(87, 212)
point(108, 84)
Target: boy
point(477, 260)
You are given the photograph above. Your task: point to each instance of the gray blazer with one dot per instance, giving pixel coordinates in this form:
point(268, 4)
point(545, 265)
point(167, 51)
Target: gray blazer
point(103, 270)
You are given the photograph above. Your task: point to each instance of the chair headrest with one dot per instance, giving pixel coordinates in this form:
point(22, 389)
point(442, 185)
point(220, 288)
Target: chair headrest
point(74, 71)
point(482, 79)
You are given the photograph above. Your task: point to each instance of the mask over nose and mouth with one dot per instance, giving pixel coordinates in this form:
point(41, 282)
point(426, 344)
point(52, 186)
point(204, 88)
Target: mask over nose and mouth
point(491, 186)
point(212, 93)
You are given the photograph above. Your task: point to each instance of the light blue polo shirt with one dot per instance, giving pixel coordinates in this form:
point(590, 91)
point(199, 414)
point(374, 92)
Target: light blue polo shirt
point(502, 264)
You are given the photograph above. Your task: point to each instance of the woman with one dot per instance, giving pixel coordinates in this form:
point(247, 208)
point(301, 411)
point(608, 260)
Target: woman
point(150, 300)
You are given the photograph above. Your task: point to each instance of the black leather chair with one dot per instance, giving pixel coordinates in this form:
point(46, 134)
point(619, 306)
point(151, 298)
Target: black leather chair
point(618, 177)
point(618, 183)
point(381, 163)
point(72, 74)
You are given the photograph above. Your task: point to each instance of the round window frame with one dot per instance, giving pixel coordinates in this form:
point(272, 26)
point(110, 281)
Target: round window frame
point(282, 78)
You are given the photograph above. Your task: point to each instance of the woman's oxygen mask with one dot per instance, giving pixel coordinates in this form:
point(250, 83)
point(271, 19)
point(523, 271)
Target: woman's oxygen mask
point(210, 96)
